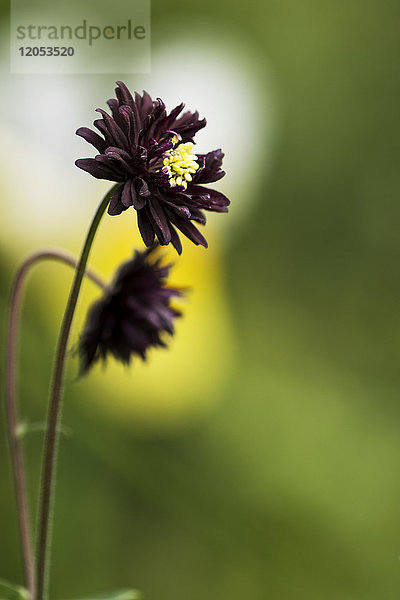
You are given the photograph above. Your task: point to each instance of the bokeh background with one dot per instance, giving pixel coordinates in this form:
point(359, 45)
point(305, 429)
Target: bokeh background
point(259, 457)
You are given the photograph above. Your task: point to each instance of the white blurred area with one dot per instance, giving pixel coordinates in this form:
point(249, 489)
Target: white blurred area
point(46, 193)
point(47, 201)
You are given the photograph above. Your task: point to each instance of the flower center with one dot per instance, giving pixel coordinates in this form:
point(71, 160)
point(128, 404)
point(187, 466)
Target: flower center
point(180, 164)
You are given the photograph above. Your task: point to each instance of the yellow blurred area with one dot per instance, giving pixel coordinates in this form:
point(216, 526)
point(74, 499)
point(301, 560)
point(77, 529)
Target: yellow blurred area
point(55, 201)
point(173, 385)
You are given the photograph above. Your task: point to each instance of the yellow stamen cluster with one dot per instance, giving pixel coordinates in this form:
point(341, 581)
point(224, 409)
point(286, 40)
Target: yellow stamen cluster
point(180, 163)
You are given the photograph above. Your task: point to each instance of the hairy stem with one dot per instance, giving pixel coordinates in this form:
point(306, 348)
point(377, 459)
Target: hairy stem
point(15, 444)
point(54, 412)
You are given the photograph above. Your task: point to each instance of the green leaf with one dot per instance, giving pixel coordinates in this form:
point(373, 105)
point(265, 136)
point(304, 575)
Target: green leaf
point(11, 591)
point(25, 428)
point(117, 595)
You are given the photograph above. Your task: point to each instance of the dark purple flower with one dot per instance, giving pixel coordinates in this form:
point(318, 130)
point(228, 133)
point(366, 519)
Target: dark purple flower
point(150, 152)
point(133, 314)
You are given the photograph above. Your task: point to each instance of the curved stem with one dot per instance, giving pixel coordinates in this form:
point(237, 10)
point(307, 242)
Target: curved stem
point(54, 411)
point(17, 458)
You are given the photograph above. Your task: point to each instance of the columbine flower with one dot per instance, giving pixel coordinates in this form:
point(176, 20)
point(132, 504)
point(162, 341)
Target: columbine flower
point(151, 153)
point(133, 314)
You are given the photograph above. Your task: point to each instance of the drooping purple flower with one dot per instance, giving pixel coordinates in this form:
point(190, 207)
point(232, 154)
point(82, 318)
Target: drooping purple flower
point(150, 152)
point(133, 315)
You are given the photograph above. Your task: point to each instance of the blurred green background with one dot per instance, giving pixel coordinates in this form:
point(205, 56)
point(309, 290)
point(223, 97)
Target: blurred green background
point(285, 482)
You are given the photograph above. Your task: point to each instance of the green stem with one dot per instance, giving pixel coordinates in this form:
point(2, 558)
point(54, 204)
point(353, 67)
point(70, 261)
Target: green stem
point(14, 438)
point(54, 412)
